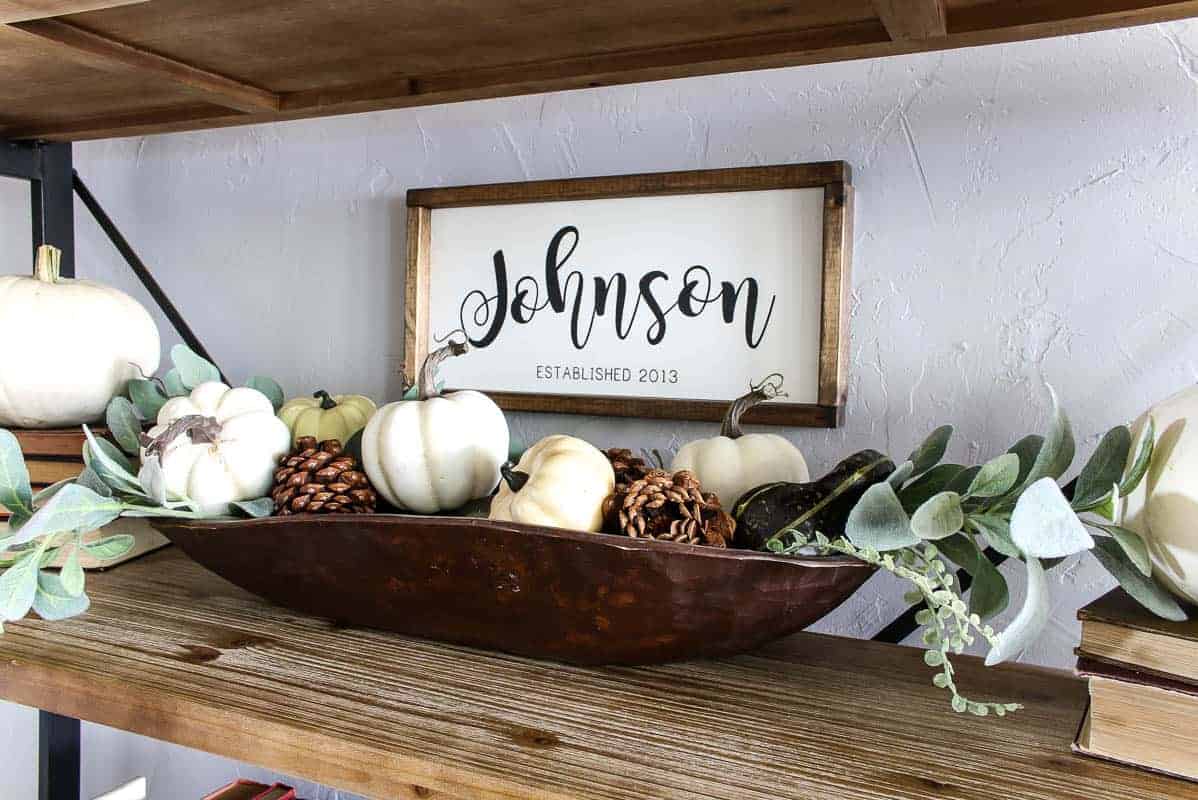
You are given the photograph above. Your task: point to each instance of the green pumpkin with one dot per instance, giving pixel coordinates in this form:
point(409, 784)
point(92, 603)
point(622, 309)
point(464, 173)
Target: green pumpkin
point(821, 506)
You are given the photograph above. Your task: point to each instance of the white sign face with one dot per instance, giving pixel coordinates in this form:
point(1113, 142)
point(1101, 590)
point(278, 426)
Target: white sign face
point(686, 296)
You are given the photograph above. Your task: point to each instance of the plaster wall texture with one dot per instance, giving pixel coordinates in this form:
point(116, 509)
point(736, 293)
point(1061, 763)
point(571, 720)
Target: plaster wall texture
point(1026, 214)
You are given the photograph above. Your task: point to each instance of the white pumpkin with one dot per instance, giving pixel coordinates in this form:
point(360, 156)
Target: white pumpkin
point(218, 445)
point(735, 462)
point(1164, 507)
point(560, 482)
point(86, 340)
point(437, 452)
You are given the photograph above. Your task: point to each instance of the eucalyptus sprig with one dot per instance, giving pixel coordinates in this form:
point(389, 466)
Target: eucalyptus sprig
point(52, 523)
point(144, 397)
point(1012, 504)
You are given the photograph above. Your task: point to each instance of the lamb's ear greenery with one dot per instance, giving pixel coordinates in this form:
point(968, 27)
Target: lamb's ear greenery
point(1012, 504)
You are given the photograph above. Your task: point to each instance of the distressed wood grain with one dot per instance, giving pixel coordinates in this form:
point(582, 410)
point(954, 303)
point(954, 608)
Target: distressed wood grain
point(168, 650)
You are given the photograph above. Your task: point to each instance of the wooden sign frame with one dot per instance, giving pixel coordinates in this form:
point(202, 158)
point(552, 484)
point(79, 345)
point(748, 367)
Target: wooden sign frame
point(833, 176)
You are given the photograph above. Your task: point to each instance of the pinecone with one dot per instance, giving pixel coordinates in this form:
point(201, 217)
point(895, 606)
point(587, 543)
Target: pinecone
point(669, 507)
point(321, 479)
point(628, 468)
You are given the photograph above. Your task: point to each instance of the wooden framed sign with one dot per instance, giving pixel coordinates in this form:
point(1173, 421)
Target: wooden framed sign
point(657, 295)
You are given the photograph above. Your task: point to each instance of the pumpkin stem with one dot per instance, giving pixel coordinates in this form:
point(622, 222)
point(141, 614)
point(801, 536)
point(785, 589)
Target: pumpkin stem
point(426, 382)
point(514, 478)
point(47, 264)
point(326, 402)
point(767, 388)
point(201, 429)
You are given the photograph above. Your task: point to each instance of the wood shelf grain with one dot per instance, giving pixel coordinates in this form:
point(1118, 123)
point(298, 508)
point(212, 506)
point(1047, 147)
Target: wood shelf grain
point(85, 69)
point(168, 650)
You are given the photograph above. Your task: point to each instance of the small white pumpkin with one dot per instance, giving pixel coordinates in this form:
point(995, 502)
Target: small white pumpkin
point(1163, 509)
point(735, 462)
point(327, 417)
point(90, 339)
point(437, 452)
point(560, 482)
point(218, 445)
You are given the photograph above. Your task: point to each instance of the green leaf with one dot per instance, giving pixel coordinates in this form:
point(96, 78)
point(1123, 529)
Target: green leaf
point(15, 492)
point(961, 550)
point(1142, 458)
point(53, 602)
point(1103, 470)
point(146, 397)
point(1056, 454)
point(110, 546)
point(929, 453)
point(1026, 449)
point(996, 530)
point(1043, 525)
point(268, 387)
point(933, 658)
point(90, 479)
point(123, 423)
point(932, 482)
point(18, 584)
point(878, 520)
point(153, 481)
point(988, 595)
point(73, 509)
point(996, 477)
point(193, 370)
point(939, 517)
point(899, 476)
point(261, 507)
point(72, 574)
point(1144, 590)
point(1133, 546)
point(109, 463)
point(174, 384)
point(47, 492)
point(961, 483)
point(1028, 623)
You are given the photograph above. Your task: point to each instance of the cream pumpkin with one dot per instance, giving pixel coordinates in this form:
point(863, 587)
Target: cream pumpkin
point(218, 445)
point(560, 482)
point(327, 417)
point(91, 340)
point(1164, 507)
point(437, 452)
point(735, 462)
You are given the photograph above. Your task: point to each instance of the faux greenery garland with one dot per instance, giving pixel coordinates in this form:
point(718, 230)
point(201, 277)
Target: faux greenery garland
point(927, 512)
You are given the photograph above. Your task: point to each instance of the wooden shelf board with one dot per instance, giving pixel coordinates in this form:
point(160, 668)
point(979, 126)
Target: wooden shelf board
point(169, 650)
point(170, 65)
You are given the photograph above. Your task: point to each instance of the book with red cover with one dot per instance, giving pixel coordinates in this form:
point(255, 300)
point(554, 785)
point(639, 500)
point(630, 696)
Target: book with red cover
point(252, 790)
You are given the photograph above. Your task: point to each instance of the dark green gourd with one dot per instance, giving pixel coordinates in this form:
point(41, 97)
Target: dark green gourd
point(819, 506)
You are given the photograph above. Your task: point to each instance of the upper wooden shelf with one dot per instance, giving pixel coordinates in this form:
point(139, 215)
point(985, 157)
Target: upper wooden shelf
point(171, 651)
point(80, 69)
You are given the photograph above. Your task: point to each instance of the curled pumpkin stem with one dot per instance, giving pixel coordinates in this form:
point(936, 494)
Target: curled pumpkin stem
point(767, 388)
point(326, 402)
point(426, 382)
point(201, 429)
point(514, 478)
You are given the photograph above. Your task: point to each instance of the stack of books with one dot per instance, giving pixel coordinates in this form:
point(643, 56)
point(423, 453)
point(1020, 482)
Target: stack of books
point(1143, 676)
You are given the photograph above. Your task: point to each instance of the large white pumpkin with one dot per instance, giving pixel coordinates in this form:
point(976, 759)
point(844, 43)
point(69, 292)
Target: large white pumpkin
point(560, 482)
point(735, 462)
point(70, 346)
point(1164, 507)
point(228, 444)
point(437, 452)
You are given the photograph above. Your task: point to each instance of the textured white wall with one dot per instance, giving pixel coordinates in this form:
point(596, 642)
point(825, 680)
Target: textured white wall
point(1025, 213)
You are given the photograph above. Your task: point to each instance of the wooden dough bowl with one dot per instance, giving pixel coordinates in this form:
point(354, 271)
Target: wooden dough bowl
point(582, 598)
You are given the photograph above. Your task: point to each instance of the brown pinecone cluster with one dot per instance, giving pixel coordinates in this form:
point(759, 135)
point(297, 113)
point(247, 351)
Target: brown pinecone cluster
point(318, 478)
point(655, 504)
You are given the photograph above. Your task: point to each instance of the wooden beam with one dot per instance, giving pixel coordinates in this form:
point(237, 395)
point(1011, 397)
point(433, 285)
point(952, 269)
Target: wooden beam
point(100, 50)
point(21, 10)
point(907, 20)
